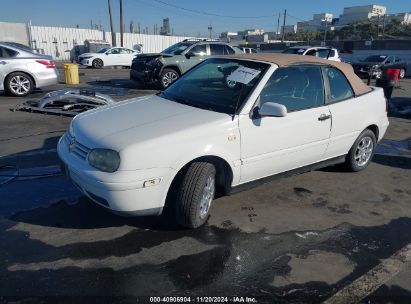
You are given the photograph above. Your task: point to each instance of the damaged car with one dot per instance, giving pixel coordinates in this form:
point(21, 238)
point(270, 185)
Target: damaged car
point(165, 67)
point(227, 124)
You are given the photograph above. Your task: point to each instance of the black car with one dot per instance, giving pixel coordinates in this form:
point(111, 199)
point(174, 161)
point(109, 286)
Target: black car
point(374, 65)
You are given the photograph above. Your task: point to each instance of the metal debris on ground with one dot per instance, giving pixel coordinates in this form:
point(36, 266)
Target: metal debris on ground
point(67, 102)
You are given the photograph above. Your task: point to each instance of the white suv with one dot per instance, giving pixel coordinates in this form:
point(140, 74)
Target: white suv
point(318, 51)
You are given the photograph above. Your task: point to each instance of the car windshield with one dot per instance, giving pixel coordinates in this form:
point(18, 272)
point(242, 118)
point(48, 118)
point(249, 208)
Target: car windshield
point(375, 58)
point(294, 51)
point(103, 50)
point(177, 49)
point(217, 84)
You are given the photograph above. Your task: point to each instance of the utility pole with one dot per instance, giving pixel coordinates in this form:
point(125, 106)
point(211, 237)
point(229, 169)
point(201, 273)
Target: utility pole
point(278, 26)
point(325, 29)
point(283, 31)
point(210, 29)
point(113, 38)
point(121, 23)
point(378, 27)
point(383, 27)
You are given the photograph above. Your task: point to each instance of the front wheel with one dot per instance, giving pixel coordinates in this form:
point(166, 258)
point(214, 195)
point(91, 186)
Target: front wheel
point(362, 151)
point(97, 63)
point(167, 77)
point(196, 194)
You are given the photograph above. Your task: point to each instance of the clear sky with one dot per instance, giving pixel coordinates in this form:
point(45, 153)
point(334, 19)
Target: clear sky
point(149, 12)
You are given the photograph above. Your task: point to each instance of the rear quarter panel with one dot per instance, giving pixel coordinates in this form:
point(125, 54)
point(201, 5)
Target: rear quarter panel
point(352, 116)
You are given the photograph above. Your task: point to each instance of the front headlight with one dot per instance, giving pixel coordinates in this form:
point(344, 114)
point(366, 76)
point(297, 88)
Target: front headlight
point(104, 159)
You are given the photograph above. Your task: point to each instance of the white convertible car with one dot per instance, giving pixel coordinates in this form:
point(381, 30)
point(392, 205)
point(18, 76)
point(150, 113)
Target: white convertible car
point(108, 57)
point(228, 122)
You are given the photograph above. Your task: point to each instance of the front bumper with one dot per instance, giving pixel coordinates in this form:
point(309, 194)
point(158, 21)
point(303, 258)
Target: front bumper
point(123, 192)
point(86, 62)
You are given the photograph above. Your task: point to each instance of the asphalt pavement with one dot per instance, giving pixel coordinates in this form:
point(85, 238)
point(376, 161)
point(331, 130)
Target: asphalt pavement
point(325, 235)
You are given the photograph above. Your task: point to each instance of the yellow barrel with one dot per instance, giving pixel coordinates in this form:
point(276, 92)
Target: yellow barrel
point(71, 73)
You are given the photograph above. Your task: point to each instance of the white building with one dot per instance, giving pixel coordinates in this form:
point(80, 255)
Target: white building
point(404, 18)
point(289, 29)
point(318, 23)
point(357, 13)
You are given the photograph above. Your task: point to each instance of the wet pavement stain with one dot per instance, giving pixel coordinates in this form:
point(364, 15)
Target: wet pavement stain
point(164, 259)
point(302, 192)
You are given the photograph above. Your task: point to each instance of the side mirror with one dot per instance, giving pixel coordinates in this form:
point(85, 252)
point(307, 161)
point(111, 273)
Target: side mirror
point(189, 55)
point(272, 109)
point(107, 54)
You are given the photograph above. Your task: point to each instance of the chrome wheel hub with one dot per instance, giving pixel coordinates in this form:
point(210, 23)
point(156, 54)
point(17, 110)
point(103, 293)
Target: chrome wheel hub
point(208, 196)
point(169, 78)
point(19, 85)
point(364, 151)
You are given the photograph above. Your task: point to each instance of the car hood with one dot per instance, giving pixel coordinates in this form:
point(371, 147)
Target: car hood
point(138, 120)
point(365, 63)
point(88, 54)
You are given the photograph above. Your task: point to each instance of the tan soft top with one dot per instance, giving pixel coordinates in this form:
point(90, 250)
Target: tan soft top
point(283, 60)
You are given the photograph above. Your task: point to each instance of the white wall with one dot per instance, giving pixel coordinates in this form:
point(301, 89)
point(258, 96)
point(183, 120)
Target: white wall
point(59, 41)
point(13, 32)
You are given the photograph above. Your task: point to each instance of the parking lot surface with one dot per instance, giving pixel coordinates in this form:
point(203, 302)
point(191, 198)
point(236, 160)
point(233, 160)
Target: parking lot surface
point(325, 235)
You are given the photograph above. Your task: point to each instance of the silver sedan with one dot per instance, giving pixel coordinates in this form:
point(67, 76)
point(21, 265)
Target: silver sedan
point(22, 70)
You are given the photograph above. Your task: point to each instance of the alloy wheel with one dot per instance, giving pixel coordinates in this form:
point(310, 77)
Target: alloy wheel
point(20, 85)
point(364, 151)
point(207, 197)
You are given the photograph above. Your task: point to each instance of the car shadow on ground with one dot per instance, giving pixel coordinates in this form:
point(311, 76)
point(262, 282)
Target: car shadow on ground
point(400, 107)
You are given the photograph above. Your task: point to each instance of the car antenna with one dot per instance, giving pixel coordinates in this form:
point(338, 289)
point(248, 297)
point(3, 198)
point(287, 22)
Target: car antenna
point(236, 105)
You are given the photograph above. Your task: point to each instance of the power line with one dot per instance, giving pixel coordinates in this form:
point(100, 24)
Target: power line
point(212, 14)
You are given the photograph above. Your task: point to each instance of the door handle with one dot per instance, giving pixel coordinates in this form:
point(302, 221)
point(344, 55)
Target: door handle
point(324, 117)
point(3, 62)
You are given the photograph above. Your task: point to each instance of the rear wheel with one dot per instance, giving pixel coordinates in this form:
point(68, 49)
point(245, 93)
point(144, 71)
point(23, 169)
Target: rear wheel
point(361, 153)
point(167, 77)
point(97, 63)
point(196, 194)
point(19, 84)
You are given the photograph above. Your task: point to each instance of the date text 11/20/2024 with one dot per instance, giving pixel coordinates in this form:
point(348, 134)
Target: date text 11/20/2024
point(234, 299)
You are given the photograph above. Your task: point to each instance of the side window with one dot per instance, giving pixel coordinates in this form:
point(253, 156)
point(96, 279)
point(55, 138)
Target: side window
point(323, 53)
point(397, 59)
point(199, 50)
point(228, 50)
point(390, 59)
point(7, 53)
point(114, 51)
point(311, 53)
point(340, 89)
point(216, 49)
point(297, 88)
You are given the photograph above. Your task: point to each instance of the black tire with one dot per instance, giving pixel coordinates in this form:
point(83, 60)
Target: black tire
point(356, 160)
point(402, 73)
point(189, 210)
point(97, 63)
point(167, 77)
point(19, 84)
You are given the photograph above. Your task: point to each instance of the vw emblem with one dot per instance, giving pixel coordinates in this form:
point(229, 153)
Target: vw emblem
point(72, 143)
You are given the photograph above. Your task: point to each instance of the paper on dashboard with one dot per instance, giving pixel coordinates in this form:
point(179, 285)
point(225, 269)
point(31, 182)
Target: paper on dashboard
point(243, 75)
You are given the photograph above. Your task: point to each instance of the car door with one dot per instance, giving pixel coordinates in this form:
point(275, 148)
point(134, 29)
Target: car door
point(270, 145)
point(347, 112)
point(3, 64)
point(126, 56)
point(193, 56)
point(112, 57)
